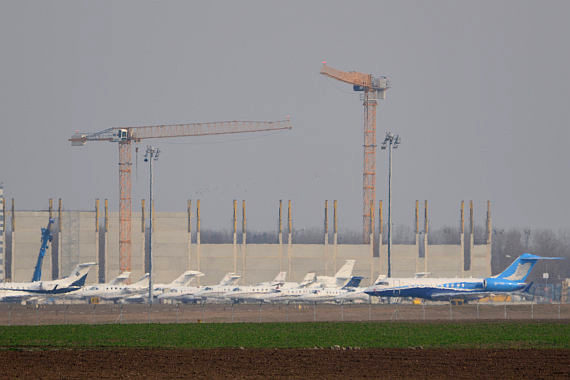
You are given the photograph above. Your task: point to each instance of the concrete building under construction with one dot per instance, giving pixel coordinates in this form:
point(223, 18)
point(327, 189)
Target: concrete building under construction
point(83, 236)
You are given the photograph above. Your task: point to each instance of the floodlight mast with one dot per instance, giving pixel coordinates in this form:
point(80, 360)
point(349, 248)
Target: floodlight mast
point(390, 142)
point(150, 156)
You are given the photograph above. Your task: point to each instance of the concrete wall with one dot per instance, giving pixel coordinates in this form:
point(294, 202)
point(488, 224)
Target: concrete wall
point(2, 236)
point(403, 259)
point(169, 245)
point(480, 261)
point(112, 247)
point(445, 260)
point(174, 252)
point(26, 239)
point(78, 242)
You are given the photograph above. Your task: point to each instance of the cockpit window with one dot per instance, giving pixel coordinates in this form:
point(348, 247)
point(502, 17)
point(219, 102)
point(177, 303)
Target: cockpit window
point(382, 283)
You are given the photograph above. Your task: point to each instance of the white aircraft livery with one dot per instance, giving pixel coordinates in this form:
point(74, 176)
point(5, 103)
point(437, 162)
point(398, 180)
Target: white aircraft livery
point(510, 280)
point(20, 290)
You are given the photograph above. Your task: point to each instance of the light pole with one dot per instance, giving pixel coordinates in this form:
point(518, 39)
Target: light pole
point(150, 156)
point(391, 142)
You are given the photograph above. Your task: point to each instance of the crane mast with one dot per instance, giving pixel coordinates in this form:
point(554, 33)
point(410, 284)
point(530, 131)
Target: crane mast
point(125, 136)
point(374, 88)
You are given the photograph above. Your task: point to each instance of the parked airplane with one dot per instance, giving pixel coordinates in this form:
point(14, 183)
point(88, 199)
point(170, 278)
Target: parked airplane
point(115, 291)
point(199, 293)
point(18, 291)
point(339, 279)
point(217, 292)
point(510, 280)
point(330, 294)
point(157, 289)
point(87, 292)
point(292, 291)
point(256, 293)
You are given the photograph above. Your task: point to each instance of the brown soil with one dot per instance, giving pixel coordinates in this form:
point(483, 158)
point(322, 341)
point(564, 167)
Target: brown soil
point(288, 363)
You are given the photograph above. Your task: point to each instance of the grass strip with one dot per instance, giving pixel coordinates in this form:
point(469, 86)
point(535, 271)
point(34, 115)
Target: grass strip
point(291, 335)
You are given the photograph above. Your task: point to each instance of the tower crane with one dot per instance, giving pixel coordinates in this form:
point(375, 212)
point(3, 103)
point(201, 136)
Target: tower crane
point(125, 136)
point(374, 88)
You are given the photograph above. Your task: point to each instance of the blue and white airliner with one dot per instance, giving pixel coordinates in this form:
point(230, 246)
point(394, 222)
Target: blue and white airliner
point(511, 279)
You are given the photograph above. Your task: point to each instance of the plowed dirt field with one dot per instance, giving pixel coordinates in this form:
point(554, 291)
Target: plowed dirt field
point(327, 363)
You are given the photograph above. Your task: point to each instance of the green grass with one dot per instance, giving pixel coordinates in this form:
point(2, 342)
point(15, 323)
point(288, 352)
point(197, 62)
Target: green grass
point(291, 335)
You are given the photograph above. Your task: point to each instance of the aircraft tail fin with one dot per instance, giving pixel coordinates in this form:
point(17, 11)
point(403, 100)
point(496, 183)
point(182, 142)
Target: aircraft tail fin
point(185, 278)
point(353, 282)
point(521, 267)
point(230, 279)
point(143, 281)
point(120, 279)
point(280, 278)
point(78, 275)
point(308, 280)
point(346, 270)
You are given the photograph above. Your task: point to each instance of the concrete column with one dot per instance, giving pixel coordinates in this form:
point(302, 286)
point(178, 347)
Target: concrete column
point(326, 231)
point(417, 233)
point(462, 240)
point(426, 232)
point(57, 254)
point(280, 237)
point(145, 257)
point(335, 236)
point(189, 237)
point(471, 232)
point(96, 235)
point(12, 259)
point(198, 236)
point(104, 253)
point(244, 244)
point(55, 242)
point(235, 250)
point(2, 236)
point(382, 268)
point(289, 240)
point(371, 243)
point(489, 240)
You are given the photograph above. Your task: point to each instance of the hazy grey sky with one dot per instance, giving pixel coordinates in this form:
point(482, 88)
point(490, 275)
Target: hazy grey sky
point(480, 98)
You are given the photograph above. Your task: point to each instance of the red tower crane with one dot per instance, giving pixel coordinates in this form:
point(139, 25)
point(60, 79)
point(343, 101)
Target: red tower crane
point(374, 88)
point(125, 136)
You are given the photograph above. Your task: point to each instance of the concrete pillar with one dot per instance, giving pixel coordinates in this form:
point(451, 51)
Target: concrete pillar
point(289, 240)
point(335, 236)
point(54, 243)
point(235, 254)
point(280, 237)
point(417, 234)
point(425, 239)
point(471, 232)
point(144, 251)
point(244, 244)
point(326, 231)
point(12, 258)
point(96, 235)
point(382, 268)
point(371, 243)
point(2, 236)
point(189, 237)
point(56, 253)
point(198, 235)
point(104, 253)
point(462, 240)
point(489, 240)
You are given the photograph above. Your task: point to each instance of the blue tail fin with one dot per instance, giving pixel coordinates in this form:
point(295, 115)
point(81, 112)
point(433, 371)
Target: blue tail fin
point(521, 267)
point(353, 282)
